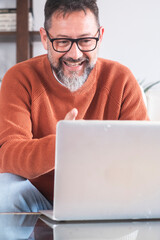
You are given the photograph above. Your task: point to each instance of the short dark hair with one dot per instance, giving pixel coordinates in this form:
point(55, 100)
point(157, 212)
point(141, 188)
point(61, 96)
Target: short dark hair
point(68, 6)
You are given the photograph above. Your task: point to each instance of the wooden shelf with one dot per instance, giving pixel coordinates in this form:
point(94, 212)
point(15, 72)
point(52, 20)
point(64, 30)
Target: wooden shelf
point(35, 36)
point(7, 37)
point(11, 36)
point(22, 36)
point(6, 34)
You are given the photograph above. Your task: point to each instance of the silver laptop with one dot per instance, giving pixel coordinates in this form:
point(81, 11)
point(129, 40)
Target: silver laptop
point(106, 170)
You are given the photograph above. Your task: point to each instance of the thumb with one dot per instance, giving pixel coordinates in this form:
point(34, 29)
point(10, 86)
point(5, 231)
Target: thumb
point(72, 114)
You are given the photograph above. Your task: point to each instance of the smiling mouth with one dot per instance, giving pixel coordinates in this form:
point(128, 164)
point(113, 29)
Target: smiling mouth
point(73, 64)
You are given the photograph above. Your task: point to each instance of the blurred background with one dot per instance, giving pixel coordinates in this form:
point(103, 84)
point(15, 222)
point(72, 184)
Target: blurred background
point(132, 36)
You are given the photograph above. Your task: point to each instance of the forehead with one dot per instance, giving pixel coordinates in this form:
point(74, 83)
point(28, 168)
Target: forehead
point(74, 23)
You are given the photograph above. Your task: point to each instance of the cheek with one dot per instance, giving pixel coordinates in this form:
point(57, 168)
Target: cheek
point(92, 56)
point(53, 54)
point(54, 57)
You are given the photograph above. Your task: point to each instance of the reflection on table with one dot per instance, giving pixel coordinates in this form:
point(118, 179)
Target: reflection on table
point(36, 227)
point(113, 230)
point(23, 226)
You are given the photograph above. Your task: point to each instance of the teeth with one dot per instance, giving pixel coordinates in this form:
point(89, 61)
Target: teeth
point(73, 64)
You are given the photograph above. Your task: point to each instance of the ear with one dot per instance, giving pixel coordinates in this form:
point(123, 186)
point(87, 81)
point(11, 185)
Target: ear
point(101, 34)
point(43, 37)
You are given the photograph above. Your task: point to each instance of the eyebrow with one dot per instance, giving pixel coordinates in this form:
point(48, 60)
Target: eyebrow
point(80, 36)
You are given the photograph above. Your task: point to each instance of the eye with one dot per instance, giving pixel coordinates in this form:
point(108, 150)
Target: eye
point(62, 42)
point(85, 42)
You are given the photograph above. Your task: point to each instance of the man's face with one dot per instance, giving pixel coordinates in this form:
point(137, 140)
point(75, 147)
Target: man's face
point(73, 67)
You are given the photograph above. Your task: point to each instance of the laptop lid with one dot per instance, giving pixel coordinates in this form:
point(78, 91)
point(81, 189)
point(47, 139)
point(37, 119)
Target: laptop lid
point(107, 170)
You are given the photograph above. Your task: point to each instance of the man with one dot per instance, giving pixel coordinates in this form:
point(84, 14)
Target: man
point(69, 82)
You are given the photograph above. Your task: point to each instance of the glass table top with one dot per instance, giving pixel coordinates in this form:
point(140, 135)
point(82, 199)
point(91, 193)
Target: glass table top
point(34, 226)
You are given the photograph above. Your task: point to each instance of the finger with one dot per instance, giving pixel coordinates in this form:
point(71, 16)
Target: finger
point(72, 114)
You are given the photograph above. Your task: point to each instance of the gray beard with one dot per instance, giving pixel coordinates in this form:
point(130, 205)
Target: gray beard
point(74, 81)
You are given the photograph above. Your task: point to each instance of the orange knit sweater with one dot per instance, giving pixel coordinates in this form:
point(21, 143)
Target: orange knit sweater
point(32, 101)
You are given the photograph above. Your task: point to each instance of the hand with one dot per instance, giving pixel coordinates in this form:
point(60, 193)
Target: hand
point(72, 114)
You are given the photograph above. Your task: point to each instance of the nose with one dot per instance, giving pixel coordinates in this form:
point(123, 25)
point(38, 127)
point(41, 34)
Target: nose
point(74, 52)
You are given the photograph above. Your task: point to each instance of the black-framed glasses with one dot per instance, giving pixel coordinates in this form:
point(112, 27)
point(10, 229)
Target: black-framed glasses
point(86, 44)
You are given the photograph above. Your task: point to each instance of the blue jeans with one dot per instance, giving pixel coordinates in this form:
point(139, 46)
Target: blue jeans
point(17, 194)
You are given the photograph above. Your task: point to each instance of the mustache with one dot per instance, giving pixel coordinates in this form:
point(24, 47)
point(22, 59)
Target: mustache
point(69, 59)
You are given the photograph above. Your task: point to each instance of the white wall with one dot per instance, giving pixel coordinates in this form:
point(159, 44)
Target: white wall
point(132, 35)
point(39, 22)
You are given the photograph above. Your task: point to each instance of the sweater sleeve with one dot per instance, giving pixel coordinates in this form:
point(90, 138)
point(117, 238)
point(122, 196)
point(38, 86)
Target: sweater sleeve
point(20, 153)
point(132, 102)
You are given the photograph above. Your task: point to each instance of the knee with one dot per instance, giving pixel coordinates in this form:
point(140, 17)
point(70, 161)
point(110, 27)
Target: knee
point(12, 189)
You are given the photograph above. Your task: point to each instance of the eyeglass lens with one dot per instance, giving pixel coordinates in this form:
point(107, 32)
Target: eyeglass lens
point(86, 44)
